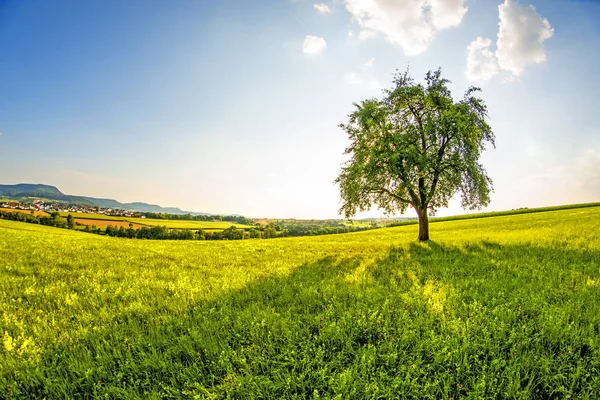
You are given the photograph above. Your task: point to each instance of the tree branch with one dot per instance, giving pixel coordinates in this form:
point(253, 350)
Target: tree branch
point(389, 192)
point(421, 130)
point(438, 169)
point(411, 191)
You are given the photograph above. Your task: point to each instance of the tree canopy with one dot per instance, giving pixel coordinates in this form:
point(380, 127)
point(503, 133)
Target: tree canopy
point(416, 147)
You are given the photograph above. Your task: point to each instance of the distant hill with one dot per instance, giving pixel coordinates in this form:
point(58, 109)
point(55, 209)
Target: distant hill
point(138, 206)
point(28, 191)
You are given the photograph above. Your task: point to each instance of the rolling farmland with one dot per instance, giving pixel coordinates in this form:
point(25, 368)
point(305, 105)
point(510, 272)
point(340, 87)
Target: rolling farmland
point(502, 307)
point(36, 212)
point(103, 223)
point(100, 220)
point(182, 224)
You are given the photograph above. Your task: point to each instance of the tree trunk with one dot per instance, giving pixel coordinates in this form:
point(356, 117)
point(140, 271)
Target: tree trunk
point(423, 225)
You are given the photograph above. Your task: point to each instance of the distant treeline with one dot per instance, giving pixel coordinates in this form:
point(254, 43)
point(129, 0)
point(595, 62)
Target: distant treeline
point(314, 229)
point(54, 219)
point(232, 233)
point(155, 232)
point(189, 217)
point(272, 230)
point(164, 233)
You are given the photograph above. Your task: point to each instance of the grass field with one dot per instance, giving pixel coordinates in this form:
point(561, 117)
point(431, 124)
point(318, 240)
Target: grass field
point(103, 223)
point(489, 214)
point(92, 216)
point(357, 222)
point(172, 224)
point(503, 307)
point(178, 224)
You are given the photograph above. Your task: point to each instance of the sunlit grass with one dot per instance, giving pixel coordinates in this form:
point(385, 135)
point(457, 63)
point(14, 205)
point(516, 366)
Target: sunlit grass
point(504, 307)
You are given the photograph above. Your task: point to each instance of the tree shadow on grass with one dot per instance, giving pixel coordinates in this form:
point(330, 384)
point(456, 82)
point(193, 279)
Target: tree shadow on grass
point(428, 321)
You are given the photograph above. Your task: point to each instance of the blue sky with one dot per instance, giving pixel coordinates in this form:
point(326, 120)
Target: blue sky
point(234, 106)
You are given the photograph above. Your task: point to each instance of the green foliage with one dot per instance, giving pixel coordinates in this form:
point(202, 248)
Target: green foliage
point(255, 234)
point(208, 217)
point(315, 228)
point(269, 232)
point(70, 222)
point(416, 147)
point(505, 307)
point(54, 219)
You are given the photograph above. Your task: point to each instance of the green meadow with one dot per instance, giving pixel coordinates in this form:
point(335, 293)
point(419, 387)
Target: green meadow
point(501, 307)
point(182, 224)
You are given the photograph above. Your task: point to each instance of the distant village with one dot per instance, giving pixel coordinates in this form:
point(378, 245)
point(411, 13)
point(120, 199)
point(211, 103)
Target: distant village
point(40, 205)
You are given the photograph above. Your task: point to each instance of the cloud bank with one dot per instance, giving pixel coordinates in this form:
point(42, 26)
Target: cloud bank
point(521, 35)
point(409, 24)
point(482, 63)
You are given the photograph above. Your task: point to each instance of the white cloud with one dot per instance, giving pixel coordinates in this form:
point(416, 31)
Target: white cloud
point(322, 8)
point(369, 63)
point(521, 35)
point(481, 62)
point(352, 78)
point(447, 13)
point(313, 45)
point(410, 24)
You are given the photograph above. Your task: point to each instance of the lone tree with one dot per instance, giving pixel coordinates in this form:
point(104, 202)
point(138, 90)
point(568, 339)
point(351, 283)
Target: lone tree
point(416, 147)
point(70, 222)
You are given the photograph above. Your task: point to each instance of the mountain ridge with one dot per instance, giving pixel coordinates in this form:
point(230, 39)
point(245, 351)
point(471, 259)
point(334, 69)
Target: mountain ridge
point(23, 191)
